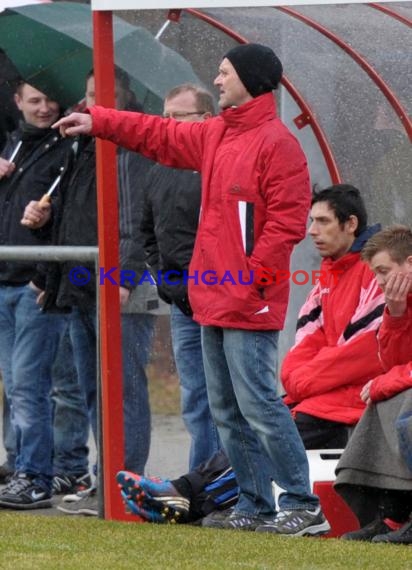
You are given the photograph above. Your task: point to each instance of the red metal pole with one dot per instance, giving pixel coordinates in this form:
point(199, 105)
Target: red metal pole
point(392, 13)
point(361, 61)
point(108, 232)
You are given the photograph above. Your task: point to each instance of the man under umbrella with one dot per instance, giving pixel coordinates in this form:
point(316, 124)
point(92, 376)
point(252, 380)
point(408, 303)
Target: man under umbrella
point(30, 162)
point(75, 223)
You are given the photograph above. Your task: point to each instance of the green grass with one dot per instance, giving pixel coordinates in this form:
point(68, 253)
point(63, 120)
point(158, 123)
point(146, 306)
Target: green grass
point(39, 542)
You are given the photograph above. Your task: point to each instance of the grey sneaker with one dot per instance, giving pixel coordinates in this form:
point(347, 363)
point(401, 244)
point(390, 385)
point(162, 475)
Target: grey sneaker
point(87, 504)
point(297, 523)
point(215, 519)
point(74, 497)
point(239, 521)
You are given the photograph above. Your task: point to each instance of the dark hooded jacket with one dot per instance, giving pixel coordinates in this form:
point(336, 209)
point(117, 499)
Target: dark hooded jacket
point(169, 224)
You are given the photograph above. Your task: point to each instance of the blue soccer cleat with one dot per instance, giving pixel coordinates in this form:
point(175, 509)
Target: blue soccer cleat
point(152, 498)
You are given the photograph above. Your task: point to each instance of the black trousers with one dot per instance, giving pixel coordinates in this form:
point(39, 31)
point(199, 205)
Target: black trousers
point(317, 433)
point(370, 503)
point(196, 486)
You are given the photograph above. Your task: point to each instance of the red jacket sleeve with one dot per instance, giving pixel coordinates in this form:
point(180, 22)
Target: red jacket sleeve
point(286, 188)
point(297, 357)
point(354, 362)
point(385, 386)
point(395, 339)
point(173, 143)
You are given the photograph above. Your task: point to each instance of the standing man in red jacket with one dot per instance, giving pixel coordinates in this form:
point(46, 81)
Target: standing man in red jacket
point(255, 201)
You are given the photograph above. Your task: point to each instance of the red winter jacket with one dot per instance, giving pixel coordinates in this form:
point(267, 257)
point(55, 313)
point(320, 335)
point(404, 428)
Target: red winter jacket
point(255, 202)
point(395, 349)
point(336, 351)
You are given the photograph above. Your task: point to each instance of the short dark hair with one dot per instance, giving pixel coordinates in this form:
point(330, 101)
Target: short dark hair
point(19, 86)
point(204, 99)
point(396, 240)
point(122, 79)
point(345, 200)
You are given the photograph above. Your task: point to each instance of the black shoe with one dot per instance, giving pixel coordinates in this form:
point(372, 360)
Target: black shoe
point(5, 474)
point(368, 532)
point(401, 536)
point(24, 493)
point(215, 519)
point(70, 484)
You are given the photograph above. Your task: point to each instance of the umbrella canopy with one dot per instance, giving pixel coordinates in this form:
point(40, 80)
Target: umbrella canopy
point(51, 47)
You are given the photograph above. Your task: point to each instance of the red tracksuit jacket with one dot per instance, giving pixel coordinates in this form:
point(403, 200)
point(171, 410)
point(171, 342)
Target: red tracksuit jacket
point(395, 350)
point(337, 350)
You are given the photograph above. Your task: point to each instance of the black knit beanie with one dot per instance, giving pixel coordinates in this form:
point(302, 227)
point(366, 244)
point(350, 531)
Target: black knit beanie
point(257, 66)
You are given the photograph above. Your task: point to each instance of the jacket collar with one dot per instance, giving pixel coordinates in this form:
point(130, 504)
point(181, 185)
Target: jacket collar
point(364, 236)
point(252, 114)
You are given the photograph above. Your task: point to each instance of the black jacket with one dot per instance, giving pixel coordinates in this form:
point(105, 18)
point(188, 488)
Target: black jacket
point(169, 225)
point(38, 162)
point(75, 223)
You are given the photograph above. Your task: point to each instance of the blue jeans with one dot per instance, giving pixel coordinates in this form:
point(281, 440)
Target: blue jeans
point(29, 340)
point(70, 419)
point(9, 435)
point(84, 342)
point(187, 349)
point(256, 428)
point(137, 335)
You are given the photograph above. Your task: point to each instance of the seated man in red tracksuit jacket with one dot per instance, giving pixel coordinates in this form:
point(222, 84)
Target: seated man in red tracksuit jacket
point(374, 475)
point(336, 349)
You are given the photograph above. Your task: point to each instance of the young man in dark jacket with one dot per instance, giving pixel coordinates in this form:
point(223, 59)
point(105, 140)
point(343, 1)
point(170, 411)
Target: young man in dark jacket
point(255, 202)
point(170, 219)
point(75, 223)
point(28, 337)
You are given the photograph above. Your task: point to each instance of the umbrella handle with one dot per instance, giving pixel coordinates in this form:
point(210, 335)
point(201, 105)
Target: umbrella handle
point(15, 151)
point(45, 199)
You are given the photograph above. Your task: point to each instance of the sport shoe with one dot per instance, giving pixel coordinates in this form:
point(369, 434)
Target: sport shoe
point(23, 492)
point(64, 484)
point(239, 521)
point(216, 519)
point(152, 498)
point(146, 514)
point(88, 504)
point(297, 523)
point(401, 536)
point(368, 532)
point(5, 474)
point(74, 497)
